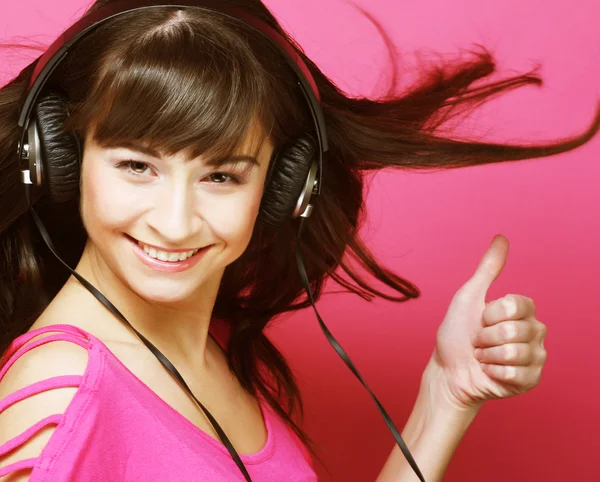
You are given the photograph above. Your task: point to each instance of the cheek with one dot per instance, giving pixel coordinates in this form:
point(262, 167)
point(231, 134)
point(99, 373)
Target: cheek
point(103, 204)
point(233, 220)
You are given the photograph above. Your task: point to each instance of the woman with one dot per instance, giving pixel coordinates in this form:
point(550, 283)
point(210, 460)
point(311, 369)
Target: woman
point(180, 113)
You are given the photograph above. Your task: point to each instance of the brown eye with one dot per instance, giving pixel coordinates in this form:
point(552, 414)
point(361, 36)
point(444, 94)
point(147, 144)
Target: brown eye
point(138, 167)
point(219, 177)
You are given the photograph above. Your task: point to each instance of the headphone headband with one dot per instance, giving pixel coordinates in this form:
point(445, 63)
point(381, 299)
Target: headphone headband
point(59, 49)
point(298, 157)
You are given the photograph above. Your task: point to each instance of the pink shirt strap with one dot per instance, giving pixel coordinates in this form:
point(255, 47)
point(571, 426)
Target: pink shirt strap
point(20, 465)
point(26, 337)
point(13, 355)
point(38, 387)
point(69, 329)
point(15, 442)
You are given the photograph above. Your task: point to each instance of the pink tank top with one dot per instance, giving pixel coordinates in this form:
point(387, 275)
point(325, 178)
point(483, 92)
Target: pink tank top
point(117, 429)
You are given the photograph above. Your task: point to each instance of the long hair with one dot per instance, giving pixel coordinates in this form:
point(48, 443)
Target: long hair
point(179, 77)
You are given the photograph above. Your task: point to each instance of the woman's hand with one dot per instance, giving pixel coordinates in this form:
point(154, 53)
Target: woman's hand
point(486, 350)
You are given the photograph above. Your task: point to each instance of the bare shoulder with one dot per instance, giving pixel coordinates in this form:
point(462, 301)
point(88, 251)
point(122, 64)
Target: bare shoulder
point(52, 359)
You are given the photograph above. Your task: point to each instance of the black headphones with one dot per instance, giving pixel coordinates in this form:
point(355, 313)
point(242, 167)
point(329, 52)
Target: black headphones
point(52, 156)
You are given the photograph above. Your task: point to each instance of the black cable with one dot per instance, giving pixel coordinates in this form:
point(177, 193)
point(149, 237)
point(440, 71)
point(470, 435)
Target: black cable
point(340, 351)
point(113, 309)
point(169, 366)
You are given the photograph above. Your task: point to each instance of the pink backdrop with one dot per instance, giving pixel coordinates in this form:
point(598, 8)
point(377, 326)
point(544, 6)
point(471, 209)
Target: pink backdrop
point(433, 229)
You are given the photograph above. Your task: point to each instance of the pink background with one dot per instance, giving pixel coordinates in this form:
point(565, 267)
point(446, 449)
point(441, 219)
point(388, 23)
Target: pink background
point(433, 229)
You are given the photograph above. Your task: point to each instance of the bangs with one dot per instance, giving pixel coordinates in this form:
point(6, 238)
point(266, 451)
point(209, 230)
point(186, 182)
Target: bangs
point(177, 88)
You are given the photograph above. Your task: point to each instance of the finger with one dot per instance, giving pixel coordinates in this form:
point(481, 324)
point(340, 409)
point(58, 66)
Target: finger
point(512, 331)
point(490, 266)
point(521, 354)
point(509, 307)
point(523, 377)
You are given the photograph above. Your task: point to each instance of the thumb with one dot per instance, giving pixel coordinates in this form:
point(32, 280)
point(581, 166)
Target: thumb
point(491, 265)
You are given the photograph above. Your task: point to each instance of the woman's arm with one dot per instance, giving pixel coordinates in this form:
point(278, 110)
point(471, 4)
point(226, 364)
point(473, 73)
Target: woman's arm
point(433, 431)
point(484, 351)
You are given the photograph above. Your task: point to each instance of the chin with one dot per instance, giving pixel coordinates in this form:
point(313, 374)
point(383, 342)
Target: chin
point(164, 292)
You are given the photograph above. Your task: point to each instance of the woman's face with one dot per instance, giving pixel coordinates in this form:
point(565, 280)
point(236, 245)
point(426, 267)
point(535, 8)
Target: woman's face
point(167, 225)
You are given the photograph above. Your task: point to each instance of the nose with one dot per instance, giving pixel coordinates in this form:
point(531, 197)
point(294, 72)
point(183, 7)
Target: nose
point(174, 217)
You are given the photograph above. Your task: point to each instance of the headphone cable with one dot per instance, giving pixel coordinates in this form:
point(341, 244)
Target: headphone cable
point(166, 363)
point(343, 355)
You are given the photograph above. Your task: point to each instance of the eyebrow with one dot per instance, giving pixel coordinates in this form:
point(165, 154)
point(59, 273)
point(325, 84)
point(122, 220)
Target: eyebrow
point(214, 162)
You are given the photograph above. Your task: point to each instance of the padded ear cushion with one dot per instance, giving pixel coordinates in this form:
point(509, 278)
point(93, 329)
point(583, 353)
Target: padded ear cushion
point(59, 149)
point(288, 178)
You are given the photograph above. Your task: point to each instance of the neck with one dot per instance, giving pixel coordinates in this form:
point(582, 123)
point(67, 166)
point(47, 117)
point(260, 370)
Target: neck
point(179, 330)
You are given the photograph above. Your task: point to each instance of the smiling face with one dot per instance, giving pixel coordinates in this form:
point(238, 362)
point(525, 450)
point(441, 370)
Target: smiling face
point(166, 225)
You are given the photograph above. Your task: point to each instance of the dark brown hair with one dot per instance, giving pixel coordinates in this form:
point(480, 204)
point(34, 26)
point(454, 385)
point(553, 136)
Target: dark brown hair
point(183, 77)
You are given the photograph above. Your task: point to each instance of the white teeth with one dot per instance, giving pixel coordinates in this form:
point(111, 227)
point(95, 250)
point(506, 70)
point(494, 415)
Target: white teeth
point(167, 256)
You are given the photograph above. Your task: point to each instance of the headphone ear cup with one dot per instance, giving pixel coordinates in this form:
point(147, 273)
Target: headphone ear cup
point(291, 167)
point(60, 153)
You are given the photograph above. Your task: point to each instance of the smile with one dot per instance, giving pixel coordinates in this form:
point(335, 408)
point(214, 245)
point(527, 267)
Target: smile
point(170, 256)
point(169, 261)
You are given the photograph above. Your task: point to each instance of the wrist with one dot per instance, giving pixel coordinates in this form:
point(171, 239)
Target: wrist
point(437, 397)
point(433, 431)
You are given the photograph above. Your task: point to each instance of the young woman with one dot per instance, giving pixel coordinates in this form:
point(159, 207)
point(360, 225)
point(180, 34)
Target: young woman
point(181, 114)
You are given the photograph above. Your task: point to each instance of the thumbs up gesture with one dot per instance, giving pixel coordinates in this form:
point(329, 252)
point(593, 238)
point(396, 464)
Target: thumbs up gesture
point(487, 350)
